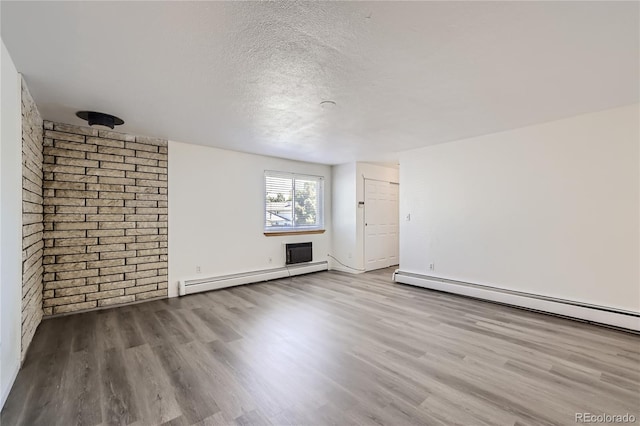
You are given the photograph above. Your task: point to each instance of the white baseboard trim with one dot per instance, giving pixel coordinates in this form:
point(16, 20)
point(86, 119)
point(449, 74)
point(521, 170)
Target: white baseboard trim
point(190, 286)
point(592, 313)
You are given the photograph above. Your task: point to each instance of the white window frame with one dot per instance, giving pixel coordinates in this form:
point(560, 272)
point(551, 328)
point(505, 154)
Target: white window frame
point(319, 226)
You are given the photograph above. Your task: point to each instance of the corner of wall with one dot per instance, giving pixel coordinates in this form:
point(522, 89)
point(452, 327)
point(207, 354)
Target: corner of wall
point(343, 214)
point(11, 223)
point(32, 218)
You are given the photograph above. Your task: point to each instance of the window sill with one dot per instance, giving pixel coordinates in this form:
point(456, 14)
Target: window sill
point(283, 233)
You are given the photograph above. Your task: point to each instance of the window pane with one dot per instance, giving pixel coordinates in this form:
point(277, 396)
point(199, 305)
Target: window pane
point(279, 202)
point(306, 202)
point(292, 202)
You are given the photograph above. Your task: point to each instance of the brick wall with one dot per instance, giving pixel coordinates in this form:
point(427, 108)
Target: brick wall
point(32, 243)
point(105, 218)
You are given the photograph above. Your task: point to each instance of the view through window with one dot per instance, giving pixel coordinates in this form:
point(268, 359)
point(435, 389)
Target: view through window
point(293, 202)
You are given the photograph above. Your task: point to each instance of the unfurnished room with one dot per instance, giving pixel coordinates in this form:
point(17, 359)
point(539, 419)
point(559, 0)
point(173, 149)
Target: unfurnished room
point(319, 213)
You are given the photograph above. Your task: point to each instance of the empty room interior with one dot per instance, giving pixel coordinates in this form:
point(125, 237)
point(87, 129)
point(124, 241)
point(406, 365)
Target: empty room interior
point(320, 213)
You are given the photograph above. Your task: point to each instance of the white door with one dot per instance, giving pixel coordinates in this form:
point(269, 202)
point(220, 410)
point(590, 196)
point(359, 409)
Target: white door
point(381, 224)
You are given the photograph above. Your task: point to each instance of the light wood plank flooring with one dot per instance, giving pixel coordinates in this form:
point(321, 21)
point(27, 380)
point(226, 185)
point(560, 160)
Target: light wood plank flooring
point(322, 349)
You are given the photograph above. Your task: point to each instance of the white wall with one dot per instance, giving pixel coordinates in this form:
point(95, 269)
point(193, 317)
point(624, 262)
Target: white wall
point(216, 217)
point(10, 223)
point(344, 213)
point(550, 209)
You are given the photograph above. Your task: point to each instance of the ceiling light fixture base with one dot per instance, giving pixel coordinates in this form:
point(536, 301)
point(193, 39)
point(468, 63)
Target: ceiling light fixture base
point(100, 119)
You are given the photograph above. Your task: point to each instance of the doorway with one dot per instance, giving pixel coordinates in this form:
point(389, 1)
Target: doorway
point(381, 225)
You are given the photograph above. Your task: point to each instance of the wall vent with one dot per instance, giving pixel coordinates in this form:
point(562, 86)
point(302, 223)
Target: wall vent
point(298, 253)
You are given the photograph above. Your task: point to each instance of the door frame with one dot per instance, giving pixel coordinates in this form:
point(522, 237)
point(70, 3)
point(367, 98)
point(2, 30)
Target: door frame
point(364, 219)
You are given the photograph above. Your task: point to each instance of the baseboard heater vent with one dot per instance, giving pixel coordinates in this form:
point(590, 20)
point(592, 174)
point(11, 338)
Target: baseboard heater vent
point(568, 308)
point(298, 253)
point(215, 283)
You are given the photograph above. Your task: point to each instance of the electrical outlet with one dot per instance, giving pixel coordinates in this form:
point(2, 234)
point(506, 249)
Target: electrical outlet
point(198, 270)
point(270, 260)
point(432, 266)
point(409, 217)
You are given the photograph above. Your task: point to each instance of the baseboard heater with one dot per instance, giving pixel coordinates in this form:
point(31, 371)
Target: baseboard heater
point(215, 283)
point(592, 313)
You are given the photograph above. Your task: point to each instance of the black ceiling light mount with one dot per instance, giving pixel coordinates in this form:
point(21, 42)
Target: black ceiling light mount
point(100, 118)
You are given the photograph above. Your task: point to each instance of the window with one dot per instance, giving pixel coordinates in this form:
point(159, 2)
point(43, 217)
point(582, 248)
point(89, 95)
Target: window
point(293, 202)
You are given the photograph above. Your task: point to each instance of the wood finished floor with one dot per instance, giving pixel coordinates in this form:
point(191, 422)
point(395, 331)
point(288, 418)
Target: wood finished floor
point(326, 348)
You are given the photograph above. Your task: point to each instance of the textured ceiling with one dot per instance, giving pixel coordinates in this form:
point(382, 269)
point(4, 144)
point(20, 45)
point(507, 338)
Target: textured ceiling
point(251, 76)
